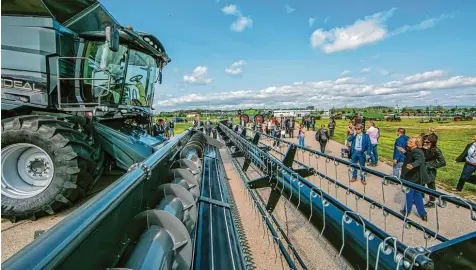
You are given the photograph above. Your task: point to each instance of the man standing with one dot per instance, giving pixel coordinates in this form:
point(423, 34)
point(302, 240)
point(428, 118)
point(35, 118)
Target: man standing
point(159, 129)
point(208, 127)
point(468, 156)
point(293, 122)
point(171, 127)
point(322, 136)
point(332, 126)
point(398, 155)
point(374, 134)
point(359, 148)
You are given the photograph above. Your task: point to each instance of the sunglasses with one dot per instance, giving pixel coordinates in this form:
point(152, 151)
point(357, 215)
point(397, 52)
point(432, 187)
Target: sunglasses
point(426, 141)
point(358, 129)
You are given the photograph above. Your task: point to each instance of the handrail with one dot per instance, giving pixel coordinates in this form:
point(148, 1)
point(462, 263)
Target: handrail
point(104, 89)
point(53, 247)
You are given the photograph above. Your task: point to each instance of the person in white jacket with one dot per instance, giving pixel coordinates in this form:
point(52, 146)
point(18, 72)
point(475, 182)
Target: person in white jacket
point(374, 134)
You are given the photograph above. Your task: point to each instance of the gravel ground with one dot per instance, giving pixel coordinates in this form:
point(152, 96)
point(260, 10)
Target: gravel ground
point(15, 236)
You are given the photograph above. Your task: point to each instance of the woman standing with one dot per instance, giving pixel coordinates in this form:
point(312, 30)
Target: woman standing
point(301, 134)
point(434, 159)
point(414, 170)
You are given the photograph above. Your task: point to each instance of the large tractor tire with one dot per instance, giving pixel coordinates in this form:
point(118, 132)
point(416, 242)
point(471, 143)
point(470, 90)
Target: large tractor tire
point(47, 165)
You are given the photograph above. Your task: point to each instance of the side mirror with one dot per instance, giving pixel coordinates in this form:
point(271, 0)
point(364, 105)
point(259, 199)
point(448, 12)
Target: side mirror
point(112, 37)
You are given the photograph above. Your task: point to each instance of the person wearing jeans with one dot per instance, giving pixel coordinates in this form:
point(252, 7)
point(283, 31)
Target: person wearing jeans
point(469, 158)
point(374, 134)
point(301, 134)
point(171, 128)
point(415, 171)
point(398, 155)
point(360, 146)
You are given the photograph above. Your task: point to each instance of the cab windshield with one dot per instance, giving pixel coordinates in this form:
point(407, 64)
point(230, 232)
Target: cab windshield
point(140, 79)
point(106, 70)
point(130, 83)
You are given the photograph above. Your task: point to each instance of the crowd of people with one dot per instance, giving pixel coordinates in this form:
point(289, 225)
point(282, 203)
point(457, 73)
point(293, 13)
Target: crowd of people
point(416, 158)
point(164, 128)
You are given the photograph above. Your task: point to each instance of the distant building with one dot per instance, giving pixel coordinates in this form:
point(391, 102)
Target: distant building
point(192, 114)
point(291, 113)
point(326, 113)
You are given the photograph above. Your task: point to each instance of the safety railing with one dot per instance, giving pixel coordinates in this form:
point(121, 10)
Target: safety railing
point(314, 202)
point(442, 197)
point(105, 89)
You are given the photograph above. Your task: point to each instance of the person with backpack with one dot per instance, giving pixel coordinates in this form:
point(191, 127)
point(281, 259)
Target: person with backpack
point(374, 134)
point(322, 136)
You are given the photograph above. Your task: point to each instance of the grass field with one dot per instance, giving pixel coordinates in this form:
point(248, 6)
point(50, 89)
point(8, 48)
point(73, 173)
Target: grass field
point(452, 139)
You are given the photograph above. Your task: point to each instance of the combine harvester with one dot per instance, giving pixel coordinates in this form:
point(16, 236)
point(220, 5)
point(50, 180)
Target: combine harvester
point(77, 94)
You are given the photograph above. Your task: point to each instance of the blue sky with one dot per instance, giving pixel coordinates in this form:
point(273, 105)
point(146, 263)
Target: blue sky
point(228, 54)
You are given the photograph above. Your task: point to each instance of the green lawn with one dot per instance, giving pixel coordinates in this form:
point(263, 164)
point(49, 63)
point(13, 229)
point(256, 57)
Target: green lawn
point(452, 138)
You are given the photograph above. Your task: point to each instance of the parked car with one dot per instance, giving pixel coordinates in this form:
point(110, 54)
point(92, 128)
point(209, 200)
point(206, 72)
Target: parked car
point(179, 120)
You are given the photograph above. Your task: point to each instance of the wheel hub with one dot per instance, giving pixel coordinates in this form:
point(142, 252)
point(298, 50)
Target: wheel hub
point(27, 170)
point(38, 167)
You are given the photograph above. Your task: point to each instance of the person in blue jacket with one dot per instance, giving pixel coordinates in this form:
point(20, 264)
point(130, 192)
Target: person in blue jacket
point(360, 148)
point(399, 152)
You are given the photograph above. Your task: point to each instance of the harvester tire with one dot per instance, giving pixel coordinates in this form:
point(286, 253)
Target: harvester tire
point(32, 139)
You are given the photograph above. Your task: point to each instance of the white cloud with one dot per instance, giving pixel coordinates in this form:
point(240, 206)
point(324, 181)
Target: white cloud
point(362, 32)
point(241, 22)
point(365, 70)
point(345, 73)
point(429, 23)
point(199, 76)
point(311, 21)
point(326, 19)
point(288, 8)
point(410, 91)
point(231, 10)
point(236, 68)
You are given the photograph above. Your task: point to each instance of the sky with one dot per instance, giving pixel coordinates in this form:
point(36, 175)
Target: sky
point(296, 53)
